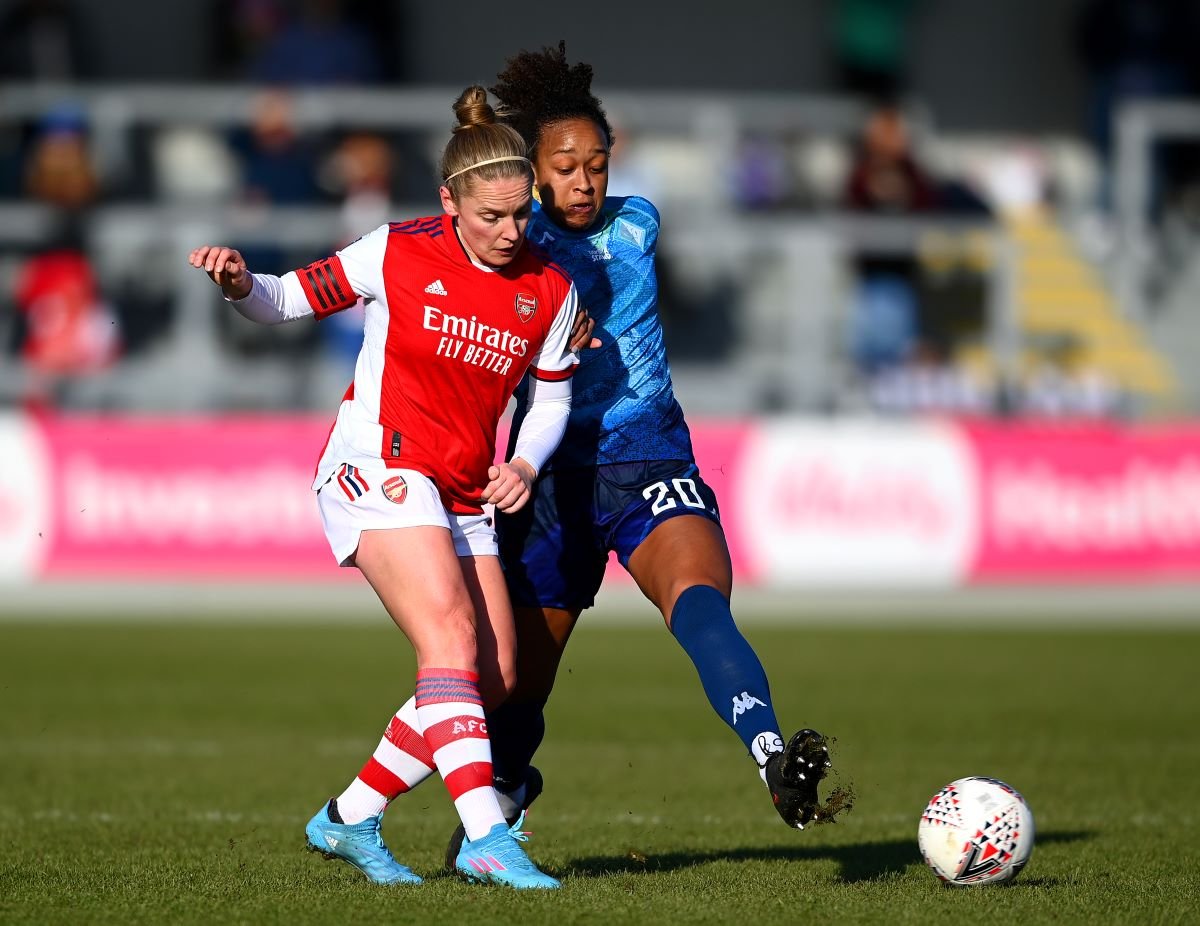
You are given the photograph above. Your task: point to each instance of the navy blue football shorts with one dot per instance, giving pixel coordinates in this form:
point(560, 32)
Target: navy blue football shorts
point(554, 550)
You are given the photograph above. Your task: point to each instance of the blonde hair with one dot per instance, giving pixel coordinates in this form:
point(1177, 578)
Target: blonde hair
point(481, 149)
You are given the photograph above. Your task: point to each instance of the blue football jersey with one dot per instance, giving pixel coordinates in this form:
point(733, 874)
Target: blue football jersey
point(623, 408)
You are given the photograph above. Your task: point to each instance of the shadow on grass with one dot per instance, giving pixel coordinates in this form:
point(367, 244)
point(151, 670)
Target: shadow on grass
point(863, 862)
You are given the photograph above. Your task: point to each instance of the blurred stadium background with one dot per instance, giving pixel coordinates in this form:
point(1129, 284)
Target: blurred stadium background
point(930, 279)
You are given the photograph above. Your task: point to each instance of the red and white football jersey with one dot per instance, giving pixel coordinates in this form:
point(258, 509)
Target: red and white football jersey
point(446, 342)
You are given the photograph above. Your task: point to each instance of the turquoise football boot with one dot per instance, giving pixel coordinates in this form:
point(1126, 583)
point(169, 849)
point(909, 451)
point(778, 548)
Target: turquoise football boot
point(533, 787)
point(498, 858)
point(360, 844)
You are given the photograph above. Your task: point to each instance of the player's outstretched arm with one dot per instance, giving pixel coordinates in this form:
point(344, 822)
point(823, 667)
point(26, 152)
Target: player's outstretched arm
point(225, 267)
point(260, 297)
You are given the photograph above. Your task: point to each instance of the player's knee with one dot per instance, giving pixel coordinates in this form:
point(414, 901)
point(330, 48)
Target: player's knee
point(706, 597)
point(682, 585)
point(454, 642)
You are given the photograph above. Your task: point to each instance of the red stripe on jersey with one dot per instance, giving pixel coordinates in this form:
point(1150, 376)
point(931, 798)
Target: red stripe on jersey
point(468, 777)
point(408, 740)
point(378, 778)
point(463, 727)
point(326, 286)
point(552, 376)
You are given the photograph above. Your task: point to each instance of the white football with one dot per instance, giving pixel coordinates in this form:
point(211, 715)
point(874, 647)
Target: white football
point(976, 831)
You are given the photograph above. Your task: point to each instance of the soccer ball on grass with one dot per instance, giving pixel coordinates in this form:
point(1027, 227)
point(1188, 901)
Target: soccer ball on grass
point(976, 831)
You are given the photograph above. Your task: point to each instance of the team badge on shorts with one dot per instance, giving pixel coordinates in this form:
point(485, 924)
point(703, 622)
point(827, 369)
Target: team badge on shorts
point(526, 306)
point(396, 489)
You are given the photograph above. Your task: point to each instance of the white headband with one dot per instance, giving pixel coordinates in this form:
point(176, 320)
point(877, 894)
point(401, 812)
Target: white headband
point(507, 157)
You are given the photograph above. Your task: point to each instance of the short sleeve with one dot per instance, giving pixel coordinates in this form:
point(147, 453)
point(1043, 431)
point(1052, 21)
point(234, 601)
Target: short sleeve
point(356, 271)
point(555, 360)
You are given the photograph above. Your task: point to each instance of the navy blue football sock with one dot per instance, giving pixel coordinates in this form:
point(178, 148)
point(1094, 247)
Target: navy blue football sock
point(732, 676)
point(516, 732)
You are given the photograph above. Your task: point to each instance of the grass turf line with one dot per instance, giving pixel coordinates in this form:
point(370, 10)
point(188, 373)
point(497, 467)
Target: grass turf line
point(157, 773)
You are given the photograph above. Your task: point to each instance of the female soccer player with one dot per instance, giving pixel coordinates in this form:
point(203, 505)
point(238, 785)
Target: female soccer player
point(457, 310)
point(624, 478)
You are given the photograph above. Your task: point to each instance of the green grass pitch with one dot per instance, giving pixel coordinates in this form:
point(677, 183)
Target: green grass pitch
point(159, 773)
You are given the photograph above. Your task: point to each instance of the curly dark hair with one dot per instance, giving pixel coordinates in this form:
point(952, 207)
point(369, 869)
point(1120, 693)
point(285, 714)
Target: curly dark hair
point(537, 89)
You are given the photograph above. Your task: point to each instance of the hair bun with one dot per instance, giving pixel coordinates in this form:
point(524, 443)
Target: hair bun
point(473, 109)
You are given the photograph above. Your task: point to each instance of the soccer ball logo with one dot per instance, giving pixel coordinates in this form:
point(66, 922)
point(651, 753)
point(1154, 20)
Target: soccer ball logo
point(976, 831)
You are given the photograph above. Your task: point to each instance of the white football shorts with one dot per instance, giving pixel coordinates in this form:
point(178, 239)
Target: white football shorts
point(356, 500)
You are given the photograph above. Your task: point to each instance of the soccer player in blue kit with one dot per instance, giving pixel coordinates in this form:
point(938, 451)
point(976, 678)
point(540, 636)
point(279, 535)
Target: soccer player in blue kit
point(624, 477)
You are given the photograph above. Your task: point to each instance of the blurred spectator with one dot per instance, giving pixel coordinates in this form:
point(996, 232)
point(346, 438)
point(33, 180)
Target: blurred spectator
point(360, 171)
point(43, 40)
point(886, 178)
point(58, 168)
point(762, 175)
point(1063, 385)
point(66, 328)
point(320, 45)
point(239, 30)
point(279, 168)
point(279, 165)
point(928, 383)
point(193, 164)
point(870, 42)
point(246, 34)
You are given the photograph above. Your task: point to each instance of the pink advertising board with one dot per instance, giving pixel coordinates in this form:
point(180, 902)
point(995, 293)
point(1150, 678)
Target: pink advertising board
point(197, 497)
point(1087, 503)
point(160, 498)
point(804, 503)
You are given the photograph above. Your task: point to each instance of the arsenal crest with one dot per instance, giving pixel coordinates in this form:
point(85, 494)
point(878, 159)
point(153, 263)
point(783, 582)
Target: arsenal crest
point(396, 490)
point(526, 306)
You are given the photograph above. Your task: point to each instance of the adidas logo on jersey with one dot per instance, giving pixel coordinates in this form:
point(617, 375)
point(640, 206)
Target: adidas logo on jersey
point(436, 288)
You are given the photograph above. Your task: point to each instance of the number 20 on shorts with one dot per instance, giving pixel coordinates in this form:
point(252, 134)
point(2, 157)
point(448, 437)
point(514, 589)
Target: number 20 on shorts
point(664, 500)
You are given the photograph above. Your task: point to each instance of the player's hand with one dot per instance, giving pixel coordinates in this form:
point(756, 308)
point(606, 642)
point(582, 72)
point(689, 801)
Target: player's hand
point(225, 267)
point(510, 485)
point(581, 331)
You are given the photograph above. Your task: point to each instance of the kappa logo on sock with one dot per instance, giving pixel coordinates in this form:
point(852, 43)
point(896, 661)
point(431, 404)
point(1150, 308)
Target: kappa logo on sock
point(743, 703)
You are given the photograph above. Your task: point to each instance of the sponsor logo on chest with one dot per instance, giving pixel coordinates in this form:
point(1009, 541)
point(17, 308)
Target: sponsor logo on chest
point(480, 337)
